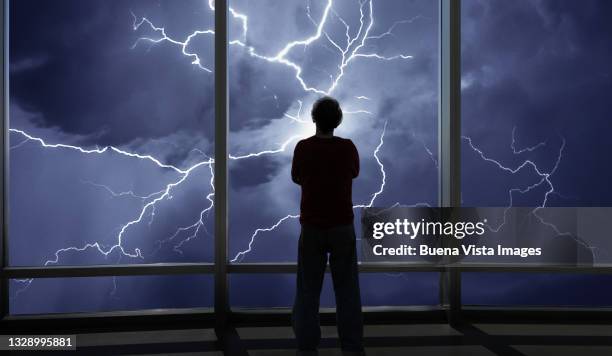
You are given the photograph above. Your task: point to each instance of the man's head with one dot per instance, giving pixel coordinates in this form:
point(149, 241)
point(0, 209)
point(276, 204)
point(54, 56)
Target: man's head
point(326, 114)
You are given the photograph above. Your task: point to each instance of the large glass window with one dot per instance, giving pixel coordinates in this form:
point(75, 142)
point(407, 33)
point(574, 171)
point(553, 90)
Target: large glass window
point(380, 60)
point(535, 88)
point(111, 139)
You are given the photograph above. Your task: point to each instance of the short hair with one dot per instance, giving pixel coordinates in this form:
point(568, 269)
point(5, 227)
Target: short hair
point(326, 113)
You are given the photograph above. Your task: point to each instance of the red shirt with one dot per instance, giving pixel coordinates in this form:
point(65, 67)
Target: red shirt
point(325, 168)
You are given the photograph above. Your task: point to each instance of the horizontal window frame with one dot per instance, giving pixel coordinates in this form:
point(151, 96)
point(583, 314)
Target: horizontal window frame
point(23, 272)
point(204, 317)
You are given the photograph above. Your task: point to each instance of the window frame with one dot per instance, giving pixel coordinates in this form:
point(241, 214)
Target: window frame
point(449, 138)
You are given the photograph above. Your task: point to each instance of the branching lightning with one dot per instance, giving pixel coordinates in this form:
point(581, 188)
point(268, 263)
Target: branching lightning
point(543, 181)
point(128, 193)
point(349, 51)
point(382, 171)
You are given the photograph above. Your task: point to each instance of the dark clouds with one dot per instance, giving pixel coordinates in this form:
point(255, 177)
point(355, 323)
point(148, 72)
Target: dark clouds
point(75, 67)
point(542, 66)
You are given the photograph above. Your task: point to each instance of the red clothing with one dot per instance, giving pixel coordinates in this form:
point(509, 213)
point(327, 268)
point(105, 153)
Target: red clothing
point(325, 168)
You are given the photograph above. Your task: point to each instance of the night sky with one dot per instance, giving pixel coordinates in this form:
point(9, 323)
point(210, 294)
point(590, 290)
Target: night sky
point(90, 74)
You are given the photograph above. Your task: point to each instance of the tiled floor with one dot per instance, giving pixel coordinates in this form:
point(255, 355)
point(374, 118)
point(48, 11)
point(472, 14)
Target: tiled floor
point(381, 340)
point(393, 351)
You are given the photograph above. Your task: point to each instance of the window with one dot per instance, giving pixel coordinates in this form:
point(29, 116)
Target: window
point(540, 95)
point(112, 141)
point(111, 137)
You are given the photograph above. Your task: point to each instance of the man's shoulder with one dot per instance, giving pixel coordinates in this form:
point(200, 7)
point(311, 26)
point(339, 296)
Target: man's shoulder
point(313, 141)
point(304, 141)
point(346, 141)
point(304, 144)
point(343, 139)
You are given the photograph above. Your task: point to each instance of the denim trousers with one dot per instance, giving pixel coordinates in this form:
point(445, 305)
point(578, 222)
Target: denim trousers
point(314, 247)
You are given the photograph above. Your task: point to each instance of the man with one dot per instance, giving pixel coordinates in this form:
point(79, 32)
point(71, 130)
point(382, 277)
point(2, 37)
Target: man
point(324, 166)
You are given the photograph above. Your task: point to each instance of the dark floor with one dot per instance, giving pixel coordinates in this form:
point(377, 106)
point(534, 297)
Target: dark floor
point(381, 340)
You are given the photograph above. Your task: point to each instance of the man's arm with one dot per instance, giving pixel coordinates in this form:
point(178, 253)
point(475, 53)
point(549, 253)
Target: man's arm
point(355, 160)
point(296, 165)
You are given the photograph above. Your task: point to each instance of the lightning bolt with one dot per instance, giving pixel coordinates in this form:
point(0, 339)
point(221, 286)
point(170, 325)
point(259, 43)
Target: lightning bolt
point(242, 254)
point(197, 225)
point(128, 193)
point(282, 148)
point(544, 177)
point(298, 116)
point(544, 181)
point(381, 166)
point(163, 37)
point(526, 149)
point(98, 151)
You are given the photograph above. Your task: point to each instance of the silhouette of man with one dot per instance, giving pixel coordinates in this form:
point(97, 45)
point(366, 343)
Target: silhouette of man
point(324, 166)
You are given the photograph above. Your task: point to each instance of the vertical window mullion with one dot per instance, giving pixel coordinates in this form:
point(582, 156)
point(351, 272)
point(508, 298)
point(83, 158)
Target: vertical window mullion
point(220, 169)
point(4, 306)
point(449, 134)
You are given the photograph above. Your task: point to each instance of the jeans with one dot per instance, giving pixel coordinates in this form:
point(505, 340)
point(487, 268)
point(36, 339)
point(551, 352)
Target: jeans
point(314, 246)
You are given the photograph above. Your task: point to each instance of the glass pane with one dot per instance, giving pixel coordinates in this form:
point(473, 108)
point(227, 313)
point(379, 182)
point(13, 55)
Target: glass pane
point(111, 132)
point(541, 289)
point(379, 59)
point(278, 290)
point(538, 99)
point(99, 294)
